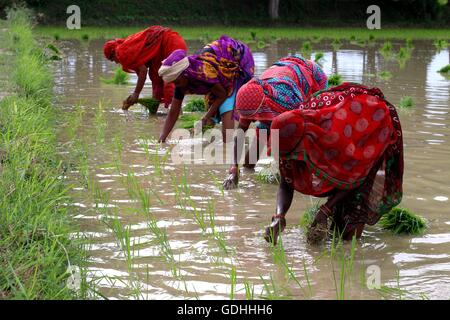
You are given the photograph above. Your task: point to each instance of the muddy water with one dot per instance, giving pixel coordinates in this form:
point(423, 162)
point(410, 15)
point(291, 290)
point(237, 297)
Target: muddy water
point(420, 265)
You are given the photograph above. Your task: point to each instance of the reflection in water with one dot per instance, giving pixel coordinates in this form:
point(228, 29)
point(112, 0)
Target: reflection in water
point(423, 261)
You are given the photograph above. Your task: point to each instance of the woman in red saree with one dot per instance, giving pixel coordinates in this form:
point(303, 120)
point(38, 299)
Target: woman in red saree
point(345, 144)
point(142, 53)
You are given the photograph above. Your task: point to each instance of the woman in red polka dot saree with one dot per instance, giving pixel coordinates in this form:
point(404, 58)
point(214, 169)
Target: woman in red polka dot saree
point(346, 144)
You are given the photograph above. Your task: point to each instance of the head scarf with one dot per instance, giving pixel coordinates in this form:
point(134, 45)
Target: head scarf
point(110, 47)
point(281, 88)
point(174, 65)
point(139, 48)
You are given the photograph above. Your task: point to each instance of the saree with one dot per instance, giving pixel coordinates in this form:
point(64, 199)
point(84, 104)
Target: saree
point(147, 47)
point(282, 87)
point(346, 138)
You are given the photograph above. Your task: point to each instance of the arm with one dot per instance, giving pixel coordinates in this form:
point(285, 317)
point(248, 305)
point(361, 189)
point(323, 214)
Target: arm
point(233, 178)
point(220, 96)
point(132, 99)
point(171, 119)
point(284, 197)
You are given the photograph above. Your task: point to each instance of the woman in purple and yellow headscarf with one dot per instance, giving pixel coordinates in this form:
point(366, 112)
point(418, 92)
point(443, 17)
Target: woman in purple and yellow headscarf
point(218, 71)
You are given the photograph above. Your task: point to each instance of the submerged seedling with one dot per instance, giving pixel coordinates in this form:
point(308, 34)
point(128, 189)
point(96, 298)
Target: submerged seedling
point(406, 102)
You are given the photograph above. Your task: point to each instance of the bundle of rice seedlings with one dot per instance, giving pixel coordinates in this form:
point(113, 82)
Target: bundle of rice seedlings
point(195, 105)
point(336, 44)
point(318, 57)
point(406, 102)
point(188, 121)
point(151, 104)
point(120, 77)
point(268, 175)
point(403, 221)
point(308, 216)
point(335, 79)
point(445, 70)
point(440, 44)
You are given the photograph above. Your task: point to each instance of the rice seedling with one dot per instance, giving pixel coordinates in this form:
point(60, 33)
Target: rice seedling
point(403, 221)
point(268, 175)
point(336, 44)
point(406, 102)
point(445, 70)
point(386, 50)
point(233, 280)
point(195, 105)
point(306, 48)
point(120, 77)
point(271, 290)
point(440, 44)
point(249, 290)
point(318, 58)
point(308, 216)
point(189, 121)
point(335, 79)
point(403, 55)
point(261, 44)
point(385, 75)
point(85, 37)
point(151, 104)
point(316, 39)
point(409, 44)
point(56, 36)
point(100, 123)
point(253, 35)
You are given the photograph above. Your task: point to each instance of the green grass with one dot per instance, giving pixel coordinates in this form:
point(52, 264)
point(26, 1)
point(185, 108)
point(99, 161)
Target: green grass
point(195, 105)
point(403, 221)
point(406, 102)
point(35, 247)
point(151, 104)
point(242, 33)
point(335, 79)
point(120, 77)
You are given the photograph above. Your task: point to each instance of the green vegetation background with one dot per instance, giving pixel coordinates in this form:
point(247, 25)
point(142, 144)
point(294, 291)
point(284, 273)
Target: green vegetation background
point(430, 13)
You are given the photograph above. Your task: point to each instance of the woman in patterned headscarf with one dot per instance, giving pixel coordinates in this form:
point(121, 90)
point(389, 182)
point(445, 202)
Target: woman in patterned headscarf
point(217, 72)
point(142, 53)
point(282, 87)
point(345, 144)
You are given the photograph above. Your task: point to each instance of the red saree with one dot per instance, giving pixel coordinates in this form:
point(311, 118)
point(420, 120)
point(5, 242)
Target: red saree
point(346, 138)
point(148, 47)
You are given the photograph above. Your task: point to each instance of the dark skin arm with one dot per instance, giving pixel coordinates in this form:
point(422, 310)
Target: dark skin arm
point(133, 98)
point(220, 96)
point(284, 197)
point(233, 178)
point(172, 117)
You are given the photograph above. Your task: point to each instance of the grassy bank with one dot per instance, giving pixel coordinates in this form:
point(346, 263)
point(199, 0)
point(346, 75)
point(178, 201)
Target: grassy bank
point(35, 246)
point(249, 33)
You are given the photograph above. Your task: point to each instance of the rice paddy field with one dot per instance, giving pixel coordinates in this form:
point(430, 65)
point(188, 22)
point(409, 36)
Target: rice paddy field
point(152, 229)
